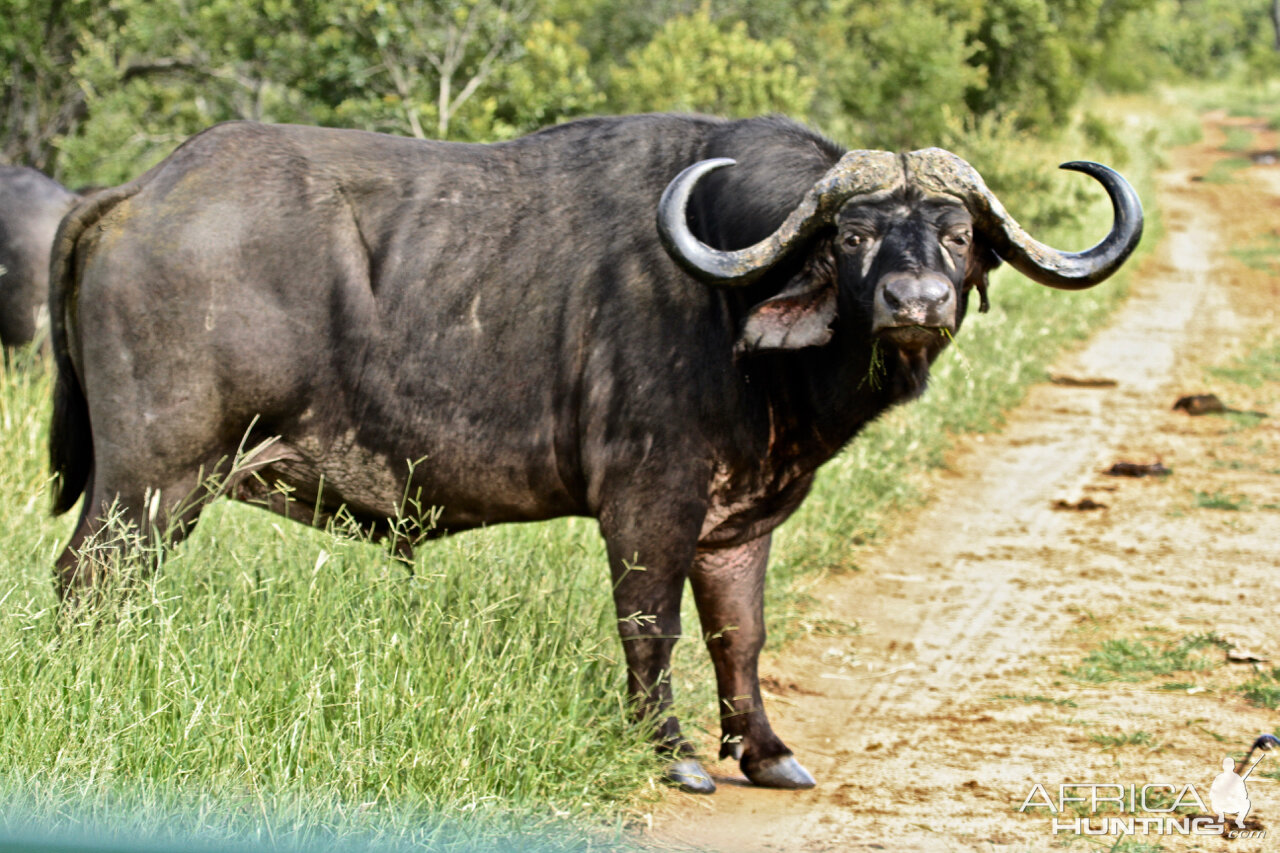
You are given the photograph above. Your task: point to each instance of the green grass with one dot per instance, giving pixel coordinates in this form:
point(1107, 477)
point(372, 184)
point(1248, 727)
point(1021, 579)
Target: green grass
point(1149, 657)
point(1133, 845)
point(1238, 94)
point(1239, 140)
point(1043, 700)
point(1242, 420)
point(1221, 500)
point(1122, 740)
point(1262, 254)
point(1236, 465)
point(1263, 689)
point(1260, 365)
point(1224, 171)
point(280, 683)
point(1177, 686)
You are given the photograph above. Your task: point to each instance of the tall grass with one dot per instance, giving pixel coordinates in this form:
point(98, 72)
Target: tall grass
point(290, 684)
point(294, 685)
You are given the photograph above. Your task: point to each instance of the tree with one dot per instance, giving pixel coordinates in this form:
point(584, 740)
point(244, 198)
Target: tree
point(42, 101)
point(550, 83)
point(893, 75)
point(695, 64)
point(430, 57)
point(1029, 70)
point(160, 70)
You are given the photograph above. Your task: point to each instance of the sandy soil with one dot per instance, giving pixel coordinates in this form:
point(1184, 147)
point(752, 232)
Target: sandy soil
point(929, 729)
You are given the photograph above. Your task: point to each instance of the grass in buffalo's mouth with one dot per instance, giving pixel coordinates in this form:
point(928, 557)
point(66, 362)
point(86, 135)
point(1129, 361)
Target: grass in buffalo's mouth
point(912, 336)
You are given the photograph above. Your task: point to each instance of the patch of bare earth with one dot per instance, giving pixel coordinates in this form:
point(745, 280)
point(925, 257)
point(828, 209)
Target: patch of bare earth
point(929, 729)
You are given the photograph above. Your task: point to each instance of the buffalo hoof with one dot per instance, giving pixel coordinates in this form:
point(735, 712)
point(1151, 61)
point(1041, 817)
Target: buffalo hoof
point(782, 771)
point(689, 775)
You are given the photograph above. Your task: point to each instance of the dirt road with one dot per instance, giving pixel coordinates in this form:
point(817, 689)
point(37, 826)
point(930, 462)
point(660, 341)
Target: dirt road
point(930, 728)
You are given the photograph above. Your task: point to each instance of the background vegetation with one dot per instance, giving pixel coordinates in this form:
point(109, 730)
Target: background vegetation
point(293, 685)
point(98, 91)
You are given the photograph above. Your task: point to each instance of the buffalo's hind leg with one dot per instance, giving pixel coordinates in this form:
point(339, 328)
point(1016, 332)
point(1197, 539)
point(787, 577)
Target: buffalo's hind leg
point(123, 523)
point(650, 550)
point(728, 585)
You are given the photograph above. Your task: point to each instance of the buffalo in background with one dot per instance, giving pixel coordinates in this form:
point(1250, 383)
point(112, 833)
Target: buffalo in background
point(31, 205)
point(604, 318)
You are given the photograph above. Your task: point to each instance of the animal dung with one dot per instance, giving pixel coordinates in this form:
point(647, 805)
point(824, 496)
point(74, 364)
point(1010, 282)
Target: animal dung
point(1082, 505)
point(1200, 404)
point(1082, 381)
point(1209, 404)
point(1137, 469)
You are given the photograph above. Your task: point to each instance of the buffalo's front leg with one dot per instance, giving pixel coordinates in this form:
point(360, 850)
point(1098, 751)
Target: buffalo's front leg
point(650, 552)
point(728, 585)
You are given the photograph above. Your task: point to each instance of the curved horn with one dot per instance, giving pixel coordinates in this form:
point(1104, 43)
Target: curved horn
point(942, 172)
point(857, 173)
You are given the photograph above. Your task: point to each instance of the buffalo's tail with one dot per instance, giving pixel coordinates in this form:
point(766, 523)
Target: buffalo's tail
point(70, 432)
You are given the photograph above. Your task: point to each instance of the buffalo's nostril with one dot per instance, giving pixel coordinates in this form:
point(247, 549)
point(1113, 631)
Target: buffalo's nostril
point(907, 299)
point(932, 292)
point(915, 292)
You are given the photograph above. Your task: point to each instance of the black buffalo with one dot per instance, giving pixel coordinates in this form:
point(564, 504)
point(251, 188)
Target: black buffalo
point(30, 207)
point(502, 331)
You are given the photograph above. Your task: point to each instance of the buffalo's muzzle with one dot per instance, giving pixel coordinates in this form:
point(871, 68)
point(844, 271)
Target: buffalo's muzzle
point(905, 302)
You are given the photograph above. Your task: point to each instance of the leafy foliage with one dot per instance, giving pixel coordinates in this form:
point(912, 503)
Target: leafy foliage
point(1029, 70)
point(549, 85)
point(99, 92)
point(894, 75)
point(696, 64)
point(38, 41)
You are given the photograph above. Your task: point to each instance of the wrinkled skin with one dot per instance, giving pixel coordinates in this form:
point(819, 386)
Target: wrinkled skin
point(30, 207)
point(498, 331)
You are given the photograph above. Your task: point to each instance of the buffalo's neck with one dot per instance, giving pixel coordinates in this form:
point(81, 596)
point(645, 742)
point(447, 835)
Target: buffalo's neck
point(823, 396)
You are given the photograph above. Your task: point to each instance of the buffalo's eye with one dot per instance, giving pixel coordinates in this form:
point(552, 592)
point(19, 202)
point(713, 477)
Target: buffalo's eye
point(957, 239)
point(853, 242)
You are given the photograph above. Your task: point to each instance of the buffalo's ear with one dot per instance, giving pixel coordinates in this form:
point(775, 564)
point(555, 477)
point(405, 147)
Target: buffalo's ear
point(984, 261)
point(800, 316)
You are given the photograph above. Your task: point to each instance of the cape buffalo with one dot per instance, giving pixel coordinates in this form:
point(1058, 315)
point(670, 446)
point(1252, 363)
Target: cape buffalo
point(502, 330)
point(30, 207)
